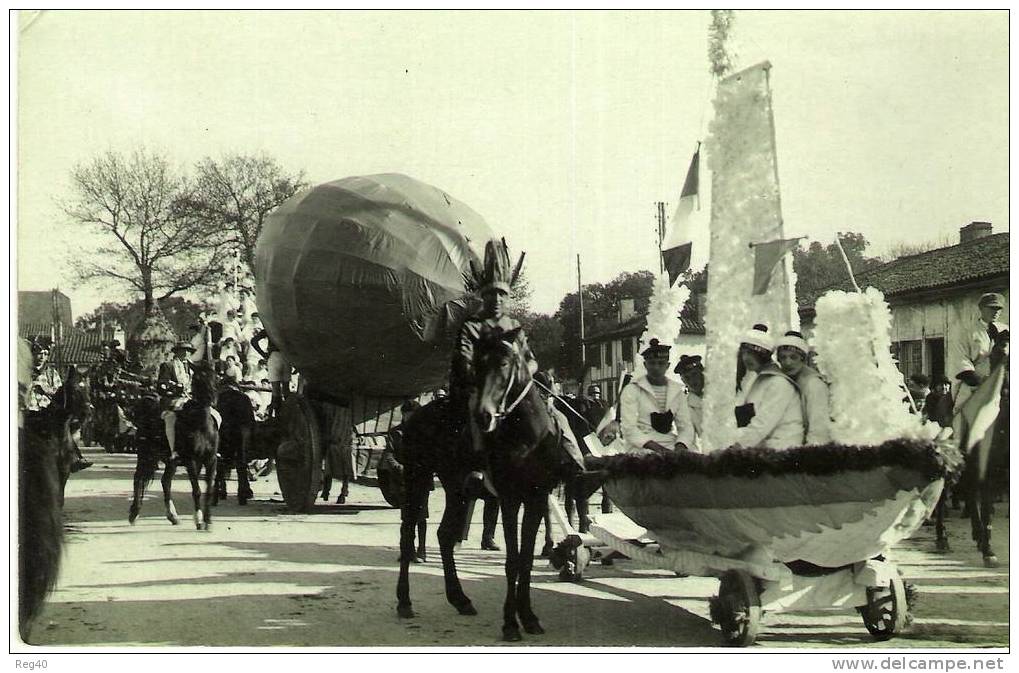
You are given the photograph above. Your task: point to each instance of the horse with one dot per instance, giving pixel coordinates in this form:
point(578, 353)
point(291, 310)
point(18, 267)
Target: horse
point(526, 461)
point(153, 448)
point(981, 485)
point(45, 453)
point(197, 443)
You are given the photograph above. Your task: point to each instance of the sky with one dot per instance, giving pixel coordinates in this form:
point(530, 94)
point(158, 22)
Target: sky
point(562, 129)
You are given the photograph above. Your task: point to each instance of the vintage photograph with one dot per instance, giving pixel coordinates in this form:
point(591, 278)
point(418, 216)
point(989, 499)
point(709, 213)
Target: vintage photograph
point(457, 329)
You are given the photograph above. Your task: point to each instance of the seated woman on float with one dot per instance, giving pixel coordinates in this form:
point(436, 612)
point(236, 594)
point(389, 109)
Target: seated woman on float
point(654, 414)
point(792, 354)
point(768, 409)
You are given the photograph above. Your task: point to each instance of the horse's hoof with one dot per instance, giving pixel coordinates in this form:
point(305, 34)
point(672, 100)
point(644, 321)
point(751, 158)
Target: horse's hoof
point(991, 561)
point(942, 546)
point(173, 519)
point(405, 611)
point(511, 634)
point(132, 516)
point(467, 609)
point(533, 627)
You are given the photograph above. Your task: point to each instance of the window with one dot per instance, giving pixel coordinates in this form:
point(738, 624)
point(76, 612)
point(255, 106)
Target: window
point(627, 349)
point(910, 356)
point(593, 355)
point(936, 357)
point(608, 353)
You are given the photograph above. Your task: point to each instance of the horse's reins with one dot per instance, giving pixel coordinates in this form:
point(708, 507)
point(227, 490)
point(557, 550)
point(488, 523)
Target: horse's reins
point(565, 404)
point(504, 410)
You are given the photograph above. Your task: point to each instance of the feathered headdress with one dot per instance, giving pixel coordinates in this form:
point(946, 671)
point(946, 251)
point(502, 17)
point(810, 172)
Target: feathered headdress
point(497, 272)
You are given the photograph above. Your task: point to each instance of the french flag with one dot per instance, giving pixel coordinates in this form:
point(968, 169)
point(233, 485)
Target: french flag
point(677, 247)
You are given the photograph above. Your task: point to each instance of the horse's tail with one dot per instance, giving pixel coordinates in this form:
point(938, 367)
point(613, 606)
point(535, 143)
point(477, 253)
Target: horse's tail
point(40, 525)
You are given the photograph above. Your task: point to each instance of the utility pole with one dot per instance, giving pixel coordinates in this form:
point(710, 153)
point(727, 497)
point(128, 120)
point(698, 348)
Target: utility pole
point(580, 296)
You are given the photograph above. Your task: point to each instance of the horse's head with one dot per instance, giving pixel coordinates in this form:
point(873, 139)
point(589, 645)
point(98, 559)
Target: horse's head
point(204, 387)
point(75, 395)
point(503, 375)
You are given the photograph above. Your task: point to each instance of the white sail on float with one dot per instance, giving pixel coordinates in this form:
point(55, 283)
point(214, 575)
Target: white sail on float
point(745, 210)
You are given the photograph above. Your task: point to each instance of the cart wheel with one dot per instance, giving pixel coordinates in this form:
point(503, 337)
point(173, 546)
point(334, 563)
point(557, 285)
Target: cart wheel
point(737, 609)
point(886, 611)
point(299, 456)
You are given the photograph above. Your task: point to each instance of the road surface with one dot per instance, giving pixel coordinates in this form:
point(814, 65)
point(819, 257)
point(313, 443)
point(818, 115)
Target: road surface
point(263, 577)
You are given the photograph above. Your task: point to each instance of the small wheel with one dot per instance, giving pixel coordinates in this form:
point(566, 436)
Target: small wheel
point(886, 611)
point(737, 609)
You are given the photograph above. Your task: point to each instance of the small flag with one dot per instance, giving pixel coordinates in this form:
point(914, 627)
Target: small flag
point(676, 250)
point(974, 424)
point(766, 258)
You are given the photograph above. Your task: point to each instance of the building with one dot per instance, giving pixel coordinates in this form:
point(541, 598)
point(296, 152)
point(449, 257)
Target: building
point(46, 315)
point(611, 348)
point(933, 297)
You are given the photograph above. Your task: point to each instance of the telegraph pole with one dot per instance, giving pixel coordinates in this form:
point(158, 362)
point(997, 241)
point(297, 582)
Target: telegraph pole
point(580, 296)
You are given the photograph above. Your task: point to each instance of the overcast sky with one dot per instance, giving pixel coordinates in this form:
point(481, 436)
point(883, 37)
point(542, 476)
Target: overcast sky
point(562, 129)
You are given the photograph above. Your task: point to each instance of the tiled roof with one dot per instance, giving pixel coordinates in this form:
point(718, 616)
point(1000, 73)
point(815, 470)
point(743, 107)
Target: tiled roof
point(635, 326)
point(975, 260)
point(78, 347)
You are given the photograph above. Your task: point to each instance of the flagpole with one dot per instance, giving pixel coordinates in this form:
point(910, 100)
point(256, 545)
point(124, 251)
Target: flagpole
point(580, 296)
point(845, 259)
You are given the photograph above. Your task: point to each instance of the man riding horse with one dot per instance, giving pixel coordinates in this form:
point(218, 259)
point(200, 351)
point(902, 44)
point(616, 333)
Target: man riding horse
point(493, 283)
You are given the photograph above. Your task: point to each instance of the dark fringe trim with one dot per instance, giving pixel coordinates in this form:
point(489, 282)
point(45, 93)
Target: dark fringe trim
point(932, 461)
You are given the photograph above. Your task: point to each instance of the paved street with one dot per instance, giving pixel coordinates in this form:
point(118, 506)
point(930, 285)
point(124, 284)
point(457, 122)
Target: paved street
point(263, 577)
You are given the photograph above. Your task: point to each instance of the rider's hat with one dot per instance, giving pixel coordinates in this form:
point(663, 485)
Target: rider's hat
point(992, 299)
point(498, 274)
point(183, 346)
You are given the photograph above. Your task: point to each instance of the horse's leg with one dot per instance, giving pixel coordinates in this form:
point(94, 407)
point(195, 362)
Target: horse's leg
point(986, 516)
point(510, 510)
point(167, 482)
point(450, 529)
point(534, 509)
point(210, 491)
point(940, 534)
point(408, 518)
point(196, 491)
point(144, 469)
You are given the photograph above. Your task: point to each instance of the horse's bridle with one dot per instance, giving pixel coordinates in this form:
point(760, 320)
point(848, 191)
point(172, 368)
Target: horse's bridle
point(503, 410)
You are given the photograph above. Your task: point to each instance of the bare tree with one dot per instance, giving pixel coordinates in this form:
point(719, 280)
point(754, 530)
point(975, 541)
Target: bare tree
point(907, 248)
point(237, 192)
point(150, 243)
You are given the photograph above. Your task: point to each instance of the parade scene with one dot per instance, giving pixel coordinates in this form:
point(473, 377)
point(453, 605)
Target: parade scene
point(708, 349)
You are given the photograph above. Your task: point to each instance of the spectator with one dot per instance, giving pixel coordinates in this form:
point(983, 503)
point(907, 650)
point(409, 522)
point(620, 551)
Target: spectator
point(391, 468)
point(238, 423)
point(691, 371)
point(919, 387)
point(937, 407)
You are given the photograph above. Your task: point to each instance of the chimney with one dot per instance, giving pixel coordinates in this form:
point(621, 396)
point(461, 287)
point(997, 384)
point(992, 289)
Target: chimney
point(973, 231)
point(625, 309)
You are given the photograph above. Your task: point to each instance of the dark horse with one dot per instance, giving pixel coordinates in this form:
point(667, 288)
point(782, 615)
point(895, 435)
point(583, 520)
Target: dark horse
point(526, 460)
point(153, 449)
point(197, 441)
point(982, 484)
point(45, 454)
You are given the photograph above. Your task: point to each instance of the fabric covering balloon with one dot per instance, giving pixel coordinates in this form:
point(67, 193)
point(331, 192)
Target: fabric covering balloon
point(360, 283)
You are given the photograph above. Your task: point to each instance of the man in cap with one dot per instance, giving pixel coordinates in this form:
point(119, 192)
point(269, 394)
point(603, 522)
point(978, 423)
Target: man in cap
point(593, 407)
point(691, 371)
point(178, 369)
point(972, 352)
point(793, 352)
point(654, 413)
point(768, 408)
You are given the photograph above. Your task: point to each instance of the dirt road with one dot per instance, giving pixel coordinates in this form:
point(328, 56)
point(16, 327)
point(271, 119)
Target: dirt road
point(263, 577)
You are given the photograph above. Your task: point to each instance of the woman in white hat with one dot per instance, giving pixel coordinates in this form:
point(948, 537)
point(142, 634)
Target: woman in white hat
point(768, 411)
point(792, 354)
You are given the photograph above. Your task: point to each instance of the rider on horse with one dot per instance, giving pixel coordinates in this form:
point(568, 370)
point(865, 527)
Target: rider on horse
point(493, 283)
